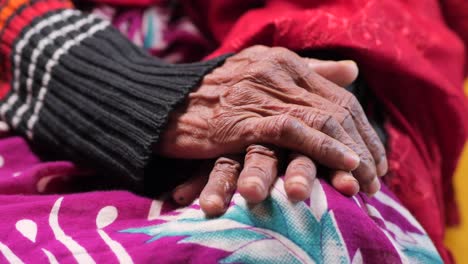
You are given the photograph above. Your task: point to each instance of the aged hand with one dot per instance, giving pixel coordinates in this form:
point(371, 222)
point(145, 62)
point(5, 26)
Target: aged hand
point(270, 95)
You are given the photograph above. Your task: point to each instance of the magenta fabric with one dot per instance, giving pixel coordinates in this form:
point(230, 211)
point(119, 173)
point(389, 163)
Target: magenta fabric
point(121, 227)
point(22, 172)
point(159, 29)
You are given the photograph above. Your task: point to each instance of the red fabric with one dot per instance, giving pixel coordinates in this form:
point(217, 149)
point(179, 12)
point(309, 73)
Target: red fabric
point(456, 15)
point(409, 57)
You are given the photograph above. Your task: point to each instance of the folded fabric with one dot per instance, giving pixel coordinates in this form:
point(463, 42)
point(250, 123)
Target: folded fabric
point(159, 29)
point(108, 227)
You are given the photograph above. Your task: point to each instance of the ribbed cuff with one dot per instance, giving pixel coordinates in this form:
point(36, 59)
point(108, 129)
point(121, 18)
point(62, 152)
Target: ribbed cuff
point(83, 90)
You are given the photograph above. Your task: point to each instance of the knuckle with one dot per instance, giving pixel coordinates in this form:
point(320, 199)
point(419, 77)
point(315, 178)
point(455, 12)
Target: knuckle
point(307, 116)
point(376, 145)
point(280, 52)
point(330, 125)
point(227, 166)
point(286, 124)
point(360, 150)
point(241, 94)
point(303, 164)
point(278, 128)
point(234, 92)
point(352, 104)
point(364, 154)
point(325, 146)
point(275, 128)
point(260, 73)
point(260, 152)
point(346, 114)
point(285, 59)
point(367, 158)
point(220, 176)
point(258, 48)
point(224, 128)
point(348, 122)
point(352, 100)
point(340, 113)
point(371, 136)
point(280, 57)
point(223, 180)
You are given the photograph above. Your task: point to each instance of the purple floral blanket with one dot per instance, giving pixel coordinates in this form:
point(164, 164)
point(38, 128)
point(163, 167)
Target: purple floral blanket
point(120, 227)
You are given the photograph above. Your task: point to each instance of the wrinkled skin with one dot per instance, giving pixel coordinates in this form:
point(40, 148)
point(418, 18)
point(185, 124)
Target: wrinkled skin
point(261, 101)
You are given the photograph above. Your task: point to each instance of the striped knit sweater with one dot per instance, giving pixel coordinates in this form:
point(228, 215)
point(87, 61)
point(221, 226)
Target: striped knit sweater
point(75, 86)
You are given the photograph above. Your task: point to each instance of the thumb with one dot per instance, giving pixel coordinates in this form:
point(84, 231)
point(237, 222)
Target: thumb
point(342, 73)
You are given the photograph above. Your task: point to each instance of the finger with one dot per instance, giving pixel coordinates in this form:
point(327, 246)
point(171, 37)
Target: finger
point(342, 73)
point(259, 173)
point(368, 134)
point(300, 174)
point(300, 72)
point(345, 132)
point(322, 87)
point(187, 192)
point(288, 132)
point(319, 85)
point(366, 172)
point(344, 182)
point(322, 115)
point(221, 185)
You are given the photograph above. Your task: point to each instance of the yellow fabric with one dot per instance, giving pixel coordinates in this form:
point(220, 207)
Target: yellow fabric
point(457, 237)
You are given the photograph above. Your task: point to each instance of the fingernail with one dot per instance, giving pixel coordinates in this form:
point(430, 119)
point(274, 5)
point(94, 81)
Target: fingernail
point(382, 167)
point(374, 187)
point(351, 160)
point(297, 189)
point(254, 183)
point(321, 63)
point(215, 202)
point(298, 182)
point(352, 185)
point(253, 190)
point(349, 178)
point(349, 62)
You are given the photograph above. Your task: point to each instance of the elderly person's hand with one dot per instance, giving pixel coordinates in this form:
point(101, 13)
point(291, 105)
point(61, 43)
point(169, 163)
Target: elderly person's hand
point(270, 95)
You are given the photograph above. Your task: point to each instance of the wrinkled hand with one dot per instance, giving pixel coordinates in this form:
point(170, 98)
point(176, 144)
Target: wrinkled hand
point(300, 173)
point(270, 95)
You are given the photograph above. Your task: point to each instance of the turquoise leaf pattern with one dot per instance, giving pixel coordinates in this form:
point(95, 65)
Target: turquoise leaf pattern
point(273, 231)
point(278, 231)
point(413, 247)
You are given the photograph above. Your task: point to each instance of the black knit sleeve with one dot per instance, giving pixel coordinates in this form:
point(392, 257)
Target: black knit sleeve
point(81, 89)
